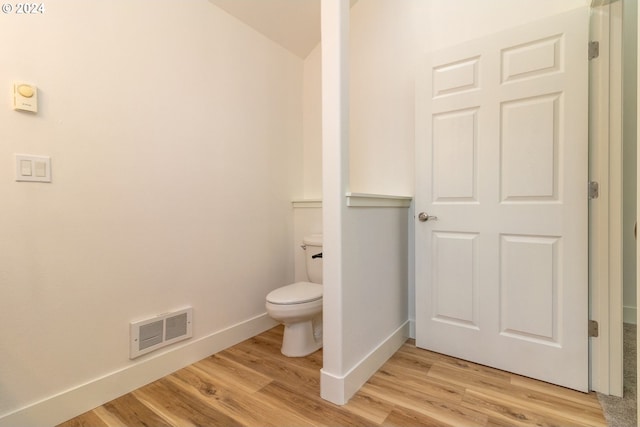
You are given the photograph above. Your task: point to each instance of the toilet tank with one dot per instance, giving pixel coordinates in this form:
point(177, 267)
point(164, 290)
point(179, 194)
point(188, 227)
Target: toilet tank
point(313, 262)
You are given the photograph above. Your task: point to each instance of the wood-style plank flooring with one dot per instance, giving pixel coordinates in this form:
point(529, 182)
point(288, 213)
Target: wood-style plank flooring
point(252, 384)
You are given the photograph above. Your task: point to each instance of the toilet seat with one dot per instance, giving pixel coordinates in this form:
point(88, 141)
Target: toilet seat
point(296, 293)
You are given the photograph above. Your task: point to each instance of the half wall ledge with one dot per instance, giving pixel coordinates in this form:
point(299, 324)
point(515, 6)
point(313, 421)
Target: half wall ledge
point(364, 200)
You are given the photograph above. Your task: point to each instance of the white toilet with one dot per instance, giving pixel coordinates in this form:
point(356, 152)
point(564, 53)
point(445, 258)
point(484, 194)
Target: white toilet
point(299, 305)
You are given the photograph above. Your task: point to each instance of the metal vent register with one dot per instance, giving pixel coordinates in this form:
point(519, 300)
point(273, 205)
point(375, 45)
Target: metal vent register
point(159, 331)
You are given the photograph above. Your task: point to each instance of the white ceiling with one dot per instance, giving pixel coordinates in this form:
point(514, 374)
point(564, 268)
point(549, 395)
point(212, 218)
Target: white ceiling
point(294, 24)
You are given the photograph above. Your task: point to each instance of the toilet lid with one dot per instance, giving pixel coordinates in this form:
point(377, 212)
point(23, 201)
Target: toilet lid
point(296, 293)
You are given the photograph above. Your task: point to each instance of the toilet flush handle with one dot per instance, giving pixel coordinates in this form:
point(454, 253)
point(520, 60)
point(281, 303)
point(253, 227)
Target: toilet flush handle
point(316, 256)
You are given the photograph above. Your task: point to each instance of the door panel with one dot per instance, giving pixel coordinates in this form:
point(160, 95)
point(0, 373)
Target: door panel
point(455, 278)
point(529, 160)
point(455, 144)
point(529, 291)
point(501, 133)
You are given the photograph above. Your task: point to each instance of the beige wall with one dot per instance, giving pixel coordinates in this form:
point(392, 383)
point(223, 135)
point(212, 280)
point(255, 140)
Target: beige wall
point(175, 136)
point(312, 125)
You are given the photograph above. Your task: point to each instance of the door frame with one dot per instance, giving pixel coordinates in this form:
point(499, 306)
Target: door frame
point(605, 212)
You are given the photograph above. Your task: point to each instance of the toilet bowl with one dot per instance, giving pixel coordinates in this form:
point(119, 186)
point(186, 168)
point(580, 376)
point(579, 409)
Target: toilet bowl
point(299, 305)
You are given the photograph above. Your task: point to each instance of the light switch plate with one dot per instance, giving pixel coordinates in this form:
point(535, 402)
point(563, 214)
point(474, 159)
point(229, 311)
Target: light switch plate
point(33, 168)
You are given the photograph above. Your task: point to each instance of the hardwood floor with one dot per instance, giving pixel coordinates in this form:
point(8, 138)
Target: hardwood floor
point(252, 384)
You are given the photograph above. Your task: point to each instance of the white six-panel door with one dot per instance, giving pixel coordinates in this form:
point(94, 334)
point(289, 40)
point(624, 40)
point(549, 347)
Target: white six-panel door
point(501, 132)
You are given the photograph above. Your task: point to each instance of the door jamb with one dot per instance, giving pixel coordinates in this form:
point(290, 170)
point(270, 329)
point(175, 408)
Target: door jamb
point(605, 212)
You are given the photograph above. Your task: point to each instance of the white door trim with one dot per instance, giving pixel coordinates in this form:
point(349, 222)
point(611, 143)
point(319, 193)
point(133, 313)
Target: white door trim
point(605, 228)
point(638, 210)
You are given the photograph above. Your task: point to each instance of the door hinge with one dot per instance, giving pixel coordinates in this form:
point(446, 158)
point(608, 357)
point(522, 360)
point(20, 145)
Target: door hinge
point(594, 190)
point(594, 50)
point(593, 328)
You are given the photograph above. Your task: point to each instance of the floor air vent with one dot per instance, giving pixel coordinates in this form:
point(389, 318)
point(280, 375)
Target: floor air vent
point(159, 331)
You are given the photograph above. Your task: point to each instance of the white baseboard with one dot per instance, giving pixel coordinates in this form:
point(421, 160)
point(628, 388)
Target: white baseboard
point(339, 389)
point(629, 315)
point(75, 401)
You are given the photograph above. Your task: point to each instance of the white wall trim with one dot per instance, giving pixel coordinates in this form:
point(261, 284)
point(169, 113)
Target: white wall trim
point(311, 203)
point(377, 200)
point(339, 389)
point(75, 401)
